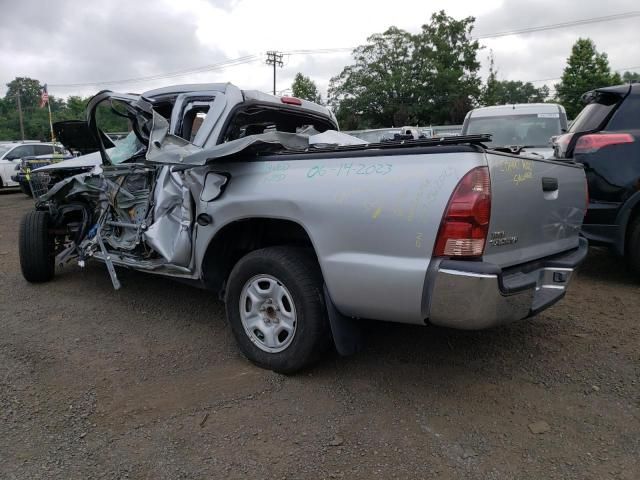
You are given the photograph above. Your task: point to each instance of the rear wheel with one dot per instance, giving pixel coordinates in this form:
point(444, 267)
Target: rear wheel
point(276, 309)
point(37, 247)
point(633, 245)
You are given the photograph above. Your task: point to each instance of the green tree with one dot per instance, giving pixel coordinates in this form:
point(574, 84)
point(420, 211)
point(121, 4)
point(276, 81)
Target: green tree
point(502, 92)
point(400, 79)
point(586, 69)
point(36, 119)
point(376, 91)
point(28, 88)
point(6, 131)
point(631, 77)
point(75, 107)
point(305, 88)
point(447, 67)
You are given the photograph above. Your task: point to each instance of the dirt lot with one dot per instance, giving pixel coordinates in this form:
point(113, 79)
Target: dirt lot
point(146, 382)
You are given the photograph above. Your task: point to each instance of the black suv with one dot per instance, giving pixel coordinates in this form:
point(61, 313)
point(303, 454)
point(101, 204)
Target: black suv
point(605, 138)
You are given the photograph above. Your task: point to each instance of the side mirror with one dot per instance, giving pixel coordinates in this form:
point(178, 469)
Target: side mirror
point(11, 157)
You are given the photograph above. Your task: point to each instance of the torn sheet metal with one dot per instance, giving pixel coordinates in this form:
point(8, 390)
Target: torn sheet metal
point(91, 183)
point(170, 149)
point(170, 233)
point(264, 142)
point(333, 137)
point(165, 147)
point(213, 186)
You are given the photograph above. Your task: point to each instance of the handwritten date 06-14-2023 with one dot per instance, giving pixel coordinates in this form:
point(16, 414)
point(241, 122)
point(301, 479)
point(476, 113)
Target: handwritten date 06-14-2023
point(347, 169)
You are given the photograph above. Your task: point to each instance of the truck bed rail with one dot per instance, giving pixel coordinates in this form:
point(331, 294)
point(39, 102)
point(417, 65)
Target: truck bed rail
point(388, 144)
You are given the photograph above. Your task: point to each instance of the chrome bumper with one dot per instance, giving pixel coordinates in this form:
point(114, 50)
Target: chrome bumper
point(476, 295)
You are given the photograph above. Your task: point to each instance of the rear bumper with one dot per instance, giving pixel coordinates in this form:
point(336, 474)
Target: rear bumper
point(475, 295)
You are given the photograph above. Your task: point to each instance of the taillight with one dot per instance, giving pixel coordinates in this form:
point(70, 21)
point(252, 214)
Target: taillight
point(465, 224)
point(595, 141)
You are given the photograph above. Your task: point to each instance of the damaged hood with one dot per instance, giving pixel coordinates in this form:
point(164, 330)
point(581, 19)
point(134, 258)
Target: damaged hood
point(84, 161)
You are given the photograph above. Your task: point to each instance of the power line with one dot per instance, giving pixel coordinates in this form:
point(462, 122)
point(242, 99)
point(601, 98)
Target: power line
point(206, 68)
point(319, 51)
point(553, 26)
point(540, 28)
point(623, 69)
point(255, 57)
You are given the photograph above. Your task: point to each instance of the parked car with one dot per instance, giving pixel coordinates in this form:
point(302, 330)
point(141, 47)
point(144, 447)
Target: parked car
point(523, 127)
point(605, 138)
point(11, 153)
point(300, 239)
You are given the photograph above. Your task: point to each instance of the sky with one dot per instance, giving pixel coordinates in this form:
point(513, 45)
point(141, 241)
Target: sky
point(80, 47)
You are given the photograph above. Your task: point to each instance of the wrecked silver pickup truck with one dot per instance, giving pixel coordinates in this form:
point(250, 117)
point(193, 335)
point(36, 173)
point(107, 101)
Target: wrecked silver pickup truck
point(303, 230)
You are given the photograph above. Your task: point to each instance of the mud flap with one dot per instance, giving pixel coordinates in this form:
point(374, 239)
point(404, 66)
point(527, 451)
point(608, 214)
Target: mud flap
point(347, 332)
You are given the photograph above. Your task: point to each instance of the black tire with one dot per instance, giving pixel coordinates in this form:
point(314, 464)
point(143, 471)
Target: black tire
point(26, 189)
point(633, 245)
point(297, 269)
point(37, 255)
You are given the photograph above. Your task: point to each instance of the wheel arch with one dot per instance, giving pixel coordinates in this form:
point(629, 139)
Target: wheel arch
point(629, 211)
point(239, 237)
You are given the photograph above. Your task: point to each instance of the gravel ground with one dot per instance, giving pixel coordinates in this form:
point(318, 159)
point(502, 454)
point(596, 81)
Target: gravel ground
point(146, 382)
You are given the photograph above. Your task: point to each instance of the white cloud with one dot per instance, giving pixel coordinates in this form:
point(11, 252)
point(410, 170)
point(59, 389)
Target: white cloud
point(120, 39)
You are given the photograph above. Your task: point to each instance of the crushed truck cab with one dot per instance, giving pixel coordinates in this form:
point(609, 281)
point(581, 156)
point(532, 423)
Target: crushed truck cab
point(301, 229)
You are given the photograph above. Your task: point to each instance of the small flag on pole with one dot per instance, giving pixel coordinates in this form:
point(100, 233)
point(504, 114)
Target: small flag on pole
point(44, 96)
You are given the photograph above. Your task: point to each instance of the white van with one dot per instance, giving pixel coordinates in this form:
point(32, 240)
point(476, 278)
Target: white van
point(526, 127)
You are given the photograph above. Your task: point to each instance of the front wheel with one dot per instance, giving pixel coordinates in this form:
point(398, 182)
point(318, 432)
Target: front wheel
point(37, 247)
point(276, 309)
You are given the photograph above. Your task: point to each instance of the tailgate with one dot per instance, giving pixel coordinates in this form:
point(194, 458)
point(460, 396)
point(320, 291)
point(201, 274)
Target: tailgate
point(537, 207)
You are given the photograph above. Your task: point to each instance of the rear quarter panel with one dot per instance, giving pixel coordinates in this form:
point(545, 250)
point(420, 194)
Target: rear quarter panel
point(372, 219)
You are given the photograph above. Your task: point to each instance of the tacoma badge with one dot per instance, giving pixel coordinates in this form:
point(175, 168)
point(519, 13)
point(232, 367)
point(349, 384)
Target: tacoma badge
point(500, 238)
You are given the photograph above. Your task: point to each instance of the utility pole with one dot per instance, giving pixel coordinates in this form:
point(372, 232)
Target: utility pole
point(274, 58)
point(20, 113)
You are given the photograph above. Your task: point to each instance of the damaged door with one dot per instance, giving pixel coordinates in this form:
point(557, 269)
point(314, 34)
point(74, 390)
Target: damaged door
point(141, 213)
point(170, 234)
point(192, 119)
